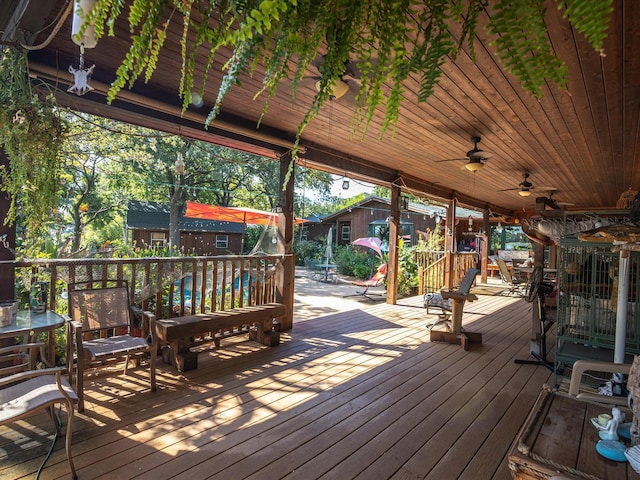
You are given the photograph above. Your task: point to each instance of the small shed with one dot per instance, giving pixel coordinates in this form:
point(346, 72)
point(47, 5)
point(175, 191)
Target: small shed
point(148, 224)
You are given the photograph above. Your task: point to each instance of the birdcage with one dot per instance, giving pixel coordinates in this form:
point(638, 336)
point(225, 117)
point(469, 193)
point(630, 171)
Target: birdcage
point(587, 302)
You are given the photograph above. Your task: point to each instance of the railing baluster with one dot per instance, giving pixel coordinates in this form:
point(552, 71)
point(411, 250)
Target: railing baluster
point(217, 275)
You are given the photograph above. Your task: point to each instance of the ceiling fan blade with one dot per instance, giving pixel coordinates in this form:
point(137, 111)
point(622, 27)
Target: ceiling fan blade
point(351, 97)
point(451, 160)
point(318, 61)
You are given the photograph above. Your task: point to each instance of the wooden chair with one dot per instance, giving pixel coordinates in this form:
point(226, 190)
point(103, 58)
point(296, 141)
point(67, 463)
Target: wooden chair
point(99, 329)
point(515, 285)
point(25, 391)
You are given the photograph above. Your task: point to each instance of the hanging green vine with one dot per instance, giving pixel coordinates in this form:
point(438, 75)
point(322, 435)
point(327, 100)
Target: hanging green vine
point(32, 134)
point(390, 39)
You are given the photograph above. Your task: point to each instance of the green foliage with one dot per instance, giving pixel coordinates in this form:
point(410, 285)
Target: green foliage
point(392, 40)
point(304, 249)
point(407, 270)
point(32, 134)
point(520, 30)
point(252, 234)
point(355, 263)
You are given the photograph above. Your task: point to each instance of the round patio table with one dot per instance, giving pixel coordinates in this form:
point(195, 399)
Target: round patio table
point(29, 324)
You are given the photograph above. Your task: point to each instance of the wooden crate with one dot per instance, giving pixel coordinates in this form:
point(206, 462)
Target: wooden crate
point(558, 439)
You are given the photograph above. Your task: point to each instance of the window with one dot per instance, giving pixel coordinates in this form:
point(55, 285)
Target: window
point(345, 233)
point(222, 241)
point(406, 232)
point(158, 239)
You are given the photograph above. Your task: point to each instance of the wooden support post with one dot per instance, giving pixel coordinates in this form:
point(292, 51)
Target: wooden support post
point(394, 229)
point(450, 244)
point(286, 271)
point(484, 248)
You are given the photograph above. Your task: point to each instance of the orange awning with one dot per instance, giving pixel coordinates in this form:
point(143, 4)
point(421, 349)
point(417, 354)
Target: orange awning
point(232, 214)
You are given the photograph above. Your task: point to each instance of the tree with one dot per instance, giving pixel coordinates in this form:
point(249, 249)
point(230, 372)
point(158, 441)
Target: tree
point(89, 150)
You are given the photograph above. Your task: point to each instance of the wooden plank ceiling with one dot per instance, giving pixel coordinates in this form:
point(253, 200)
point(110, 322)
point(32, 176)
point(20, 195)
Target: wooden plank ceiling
point(580, 142)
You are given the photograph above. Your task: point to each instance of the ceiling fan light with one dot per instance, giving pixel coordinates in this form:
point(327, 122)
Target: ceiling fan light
point(338, 89)
point(474, 166)
point(525, 192)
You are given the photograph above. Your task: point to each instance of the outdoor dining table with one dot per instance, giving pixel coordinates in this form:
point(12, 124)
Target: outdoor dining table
point(327, 267)
point(29, 324)
point(548, 272)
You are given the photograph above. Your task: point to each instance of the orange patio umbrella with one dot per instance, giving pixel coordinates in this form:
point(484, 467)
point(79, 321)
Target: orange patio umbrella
point(233, 214)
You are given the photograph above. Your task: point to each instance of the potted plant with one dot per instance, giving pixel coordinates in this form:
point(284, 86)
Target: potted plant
point(32, 133)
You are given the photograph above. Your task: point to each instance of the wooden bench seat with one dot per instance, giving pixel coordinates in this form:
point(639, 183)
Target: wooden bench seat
point(177, 332)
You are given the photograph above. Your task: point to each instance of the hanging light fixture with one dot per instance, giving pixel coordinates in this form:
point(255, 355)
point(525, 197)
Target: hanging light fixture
point(345, 183)
point(84, 39)
point(338, 89)
point(474, 164)
point(499, 228)
point(81, 10)
point(470, 223)
point(179, 165)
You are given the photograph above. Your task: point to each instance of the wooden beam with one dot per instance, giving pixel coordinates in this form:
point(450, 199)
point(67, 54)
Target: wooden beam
point(286, 270)
point(394, 234)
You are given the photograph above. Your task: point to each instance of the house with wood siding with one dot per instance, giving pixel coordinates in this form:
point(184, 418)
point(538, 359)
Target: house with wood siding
point(148, 224)
point(369, 216)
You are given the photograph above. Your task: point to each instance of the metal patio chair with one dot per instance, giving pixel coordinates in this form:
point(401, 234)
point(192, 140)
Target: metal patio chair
point(99, 329)
point(25, 391)
point(438, 300)
point(515, 285)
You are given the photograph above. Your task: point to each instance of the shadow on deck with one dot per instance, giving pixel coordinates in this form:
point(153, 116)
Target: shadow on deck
point(356, 393)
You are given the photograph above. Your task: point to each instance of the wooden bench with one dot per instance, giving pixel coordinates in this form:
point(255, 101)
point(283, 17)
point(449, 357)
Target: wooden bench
point(257, 321)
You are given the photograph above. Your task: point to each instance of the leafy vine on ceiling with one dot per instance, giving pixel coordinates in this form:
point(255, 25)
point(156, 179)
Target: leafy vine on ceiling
point(390, 39)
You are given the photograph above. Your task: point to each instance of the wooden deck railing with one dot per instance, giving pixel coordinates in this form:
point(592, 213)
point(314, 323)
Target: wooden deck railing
point(167, 286)
point(432, 269)
point(460, 263)
point(431, 266)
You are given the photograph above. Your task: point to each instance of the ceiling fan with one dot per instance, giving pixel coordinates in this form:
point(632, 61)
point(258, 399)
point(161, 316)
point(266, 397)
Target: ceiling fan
point(347, 86)
point(475, 156)
point(551, 199)
point(524, 187)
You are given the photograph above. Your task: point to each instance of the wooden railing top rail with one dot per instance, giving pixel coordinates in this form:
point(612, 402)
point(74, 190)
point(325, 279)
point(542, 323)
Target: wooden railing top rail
point(166, 285)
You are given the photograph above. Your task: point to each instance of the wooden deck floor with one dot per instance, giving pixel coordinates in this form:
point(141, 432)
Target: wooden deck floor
point(358, 394)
